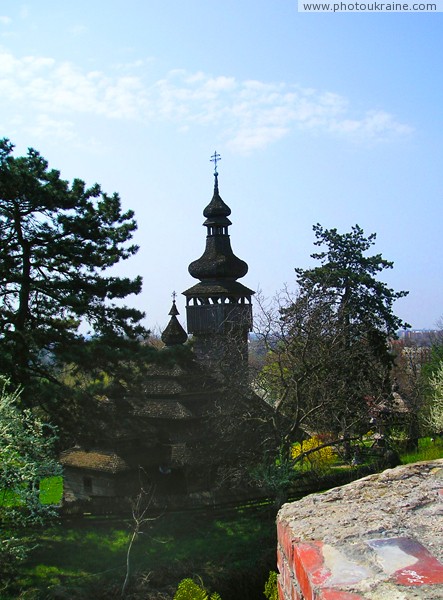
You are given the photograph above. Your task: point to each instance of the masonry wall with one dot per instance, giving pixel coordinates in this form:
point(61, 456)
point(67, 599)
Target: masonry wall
point(378, 538)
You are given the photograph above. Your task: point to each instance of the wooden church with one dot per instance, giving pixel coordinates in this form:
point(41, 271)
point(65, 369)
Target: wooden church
point(193, 431)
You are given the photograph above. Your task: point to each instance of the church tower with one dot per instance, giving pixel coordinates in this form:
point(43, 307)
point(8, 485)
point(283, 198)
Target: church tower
point(218, 308)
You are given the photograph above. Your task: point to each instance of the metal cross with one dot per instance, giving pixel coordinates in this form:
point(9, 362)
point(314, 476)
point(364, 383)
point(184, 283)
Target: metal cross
point(215, 158)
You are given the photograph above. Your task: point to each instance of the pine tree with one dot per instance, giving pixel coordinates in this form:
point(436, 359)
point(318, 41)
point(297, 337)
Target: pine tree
point(59, 303)
point(329, 354)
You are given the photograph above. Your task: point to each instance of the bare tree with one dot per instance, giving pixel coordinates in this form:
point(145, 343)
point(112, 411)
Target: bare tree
point(140, 510)
point(313, 382)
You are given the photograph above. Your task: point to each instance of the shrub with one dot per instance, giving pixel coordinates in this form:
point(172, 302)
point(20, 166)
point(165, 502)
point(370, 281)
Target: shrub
point(189, 590)
point(316, 459)
point(26, 459)
point(271, 591)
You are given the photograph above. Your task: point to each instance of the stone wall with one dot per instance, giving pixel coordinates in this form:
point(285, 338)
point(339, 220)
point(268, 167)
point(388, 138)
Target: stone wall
point(378, 538)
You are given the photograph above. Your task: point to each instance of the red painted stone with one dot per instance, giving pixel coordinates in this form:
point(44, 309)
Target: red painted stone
point(424, 568)
point(295, 595)
point(285, 539)
point(287, 581)
point(330, 594)
point(281, 594)
point(309, 569)
point(311, 557)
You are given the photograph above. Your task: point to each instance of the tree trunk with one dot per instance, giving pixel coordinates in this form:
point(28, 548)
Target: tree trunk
point(21, 351)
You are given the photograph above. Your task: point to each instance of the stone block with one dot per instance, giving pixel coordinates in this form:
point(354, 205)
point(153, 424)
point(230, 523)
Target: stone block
point(377, 538)
point(407, 562)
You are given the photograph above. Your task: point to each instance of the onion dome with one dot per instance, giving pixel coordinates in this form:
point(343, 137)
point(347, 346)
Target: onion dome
point(174, 334)
point(217, 211)
point(218, 260)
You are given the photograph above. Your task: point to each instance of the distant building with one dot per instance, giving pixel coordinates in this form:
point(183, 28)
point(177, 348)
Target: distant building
point(420, 337)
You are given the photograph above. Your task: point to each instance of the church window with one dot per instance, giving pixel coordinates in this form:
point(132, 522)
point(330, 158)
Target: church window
point(87, 485)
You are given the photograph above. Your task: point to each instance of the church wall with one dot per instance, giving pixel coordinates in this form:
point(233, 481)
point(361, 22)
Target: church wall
point(82, 484)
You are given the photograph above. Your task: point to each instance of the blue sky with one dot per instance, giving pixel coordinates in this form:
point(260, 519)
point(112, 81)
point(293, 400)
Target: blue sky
point(329, 118)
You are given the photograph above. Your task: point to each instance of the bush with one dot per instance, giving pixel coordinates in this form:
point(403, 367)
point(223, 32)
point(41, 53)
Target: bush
point(271, 591)
point(317, 460)
point(189, 590)
point(26, 459)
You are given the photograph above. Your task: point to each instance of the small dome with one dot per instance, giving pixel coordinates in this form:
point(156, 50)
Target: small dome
point(174, 334)
point(217, 208)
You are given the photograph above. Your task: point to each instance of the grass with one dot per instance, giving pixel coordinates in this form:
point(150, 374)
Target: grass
point(50, 488)
point(79, 555)
point(428, 449)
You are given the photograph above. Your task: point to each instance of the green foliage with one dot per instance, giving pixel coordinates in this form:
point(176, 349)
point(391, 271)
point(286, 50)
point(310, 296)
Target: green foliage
point(26, 458)
point(430, 386)
point(361, 300)
point(57, 244)
point(189, 590)
point(435, 360)
point(271, 590)
point(277, 476)
point(313, 456)
point(436, 403)
point(328, 351)
point(359, 317)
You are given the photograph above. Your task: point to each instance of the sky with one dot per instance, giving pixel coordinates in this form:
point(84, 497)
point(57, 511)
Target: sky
point(323, 118)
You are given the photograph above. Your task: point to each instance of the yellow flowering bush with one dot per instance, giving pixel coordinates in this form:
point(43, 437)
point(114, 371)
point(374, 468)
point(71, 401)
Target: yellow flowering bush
point(318, 459)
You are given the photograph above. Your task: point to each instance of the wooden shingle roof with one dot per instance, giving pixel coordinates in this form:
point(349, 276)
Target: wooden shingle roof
point(95, 460)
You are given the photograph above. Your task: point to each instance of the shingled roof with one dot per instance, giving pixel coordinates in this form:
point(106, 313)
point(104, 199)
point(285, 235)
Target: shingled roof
point(160, 409)
point(95, 460)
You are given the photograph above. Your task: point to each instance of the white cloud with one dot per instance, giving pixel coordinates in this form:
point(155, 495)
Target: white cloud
point(5, 20)
point(248, 114)
point(374, 125)
point(62, 130)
